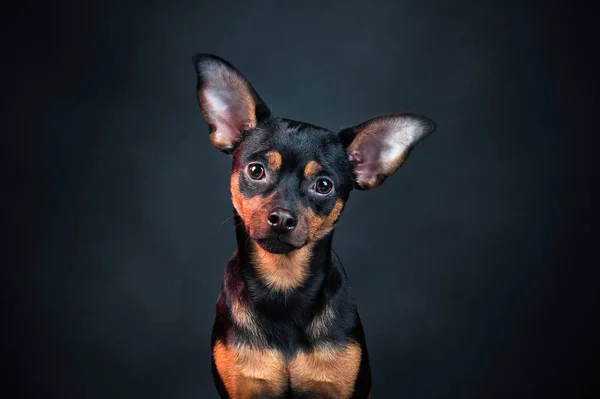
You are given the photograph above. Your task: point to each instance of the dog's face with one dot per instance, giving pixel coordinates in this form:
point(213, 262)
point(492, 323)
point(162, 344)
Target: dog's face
point(289, 183)
point(290, 180)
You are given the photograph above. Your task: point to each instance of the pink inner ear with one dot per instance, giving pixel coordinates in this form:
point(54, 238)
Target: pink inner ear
point(366, 170)
point(355, 157)
point(380, 146)
point(230, 114)
point(229, 107)
point(367, 162)
point(367, 173)
point(224, 136)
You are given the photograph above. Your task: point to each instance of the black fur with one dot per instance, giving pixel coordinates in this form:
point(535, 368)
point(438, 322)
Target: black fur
point(246, 129)
point(283, 317)
point(298, 143)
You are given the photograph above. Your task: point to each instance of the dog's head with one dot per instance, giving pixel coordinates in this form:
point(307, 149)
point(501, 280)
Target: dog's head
point(290, 180)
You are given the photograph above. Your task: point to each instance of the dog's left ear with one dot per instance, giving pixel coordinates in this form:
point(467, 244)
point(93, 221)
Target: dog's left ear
point(229, 103)
point(378, 147)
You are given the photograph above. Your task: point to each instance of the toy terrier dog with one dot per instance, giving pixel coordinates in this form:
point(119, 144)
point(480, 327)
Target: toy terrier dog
point(287, 325)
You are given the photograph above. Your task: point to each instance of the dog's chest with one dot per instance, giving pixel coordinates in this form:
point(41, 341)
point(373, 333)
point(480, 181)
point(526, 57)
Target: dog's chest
point(325, 369)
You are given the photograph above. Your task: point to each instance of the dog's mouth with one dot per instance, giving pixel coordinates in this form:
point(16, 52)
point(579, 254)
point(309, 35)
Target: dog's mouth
point(277, 245)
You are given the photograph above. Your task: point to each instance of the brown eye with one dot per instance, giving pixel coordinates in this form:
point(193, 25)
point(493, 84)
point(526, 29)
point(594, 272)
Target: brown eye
point(256, 171)
point(323, 186)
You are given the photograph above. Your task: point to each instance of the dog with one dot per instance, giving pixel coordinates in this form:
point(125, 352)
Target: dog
point(286, 324)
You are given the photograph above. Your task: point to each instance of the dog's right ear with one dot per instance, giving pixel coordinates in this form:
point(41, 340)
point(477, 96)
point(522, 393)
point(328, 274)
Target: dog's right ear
point(228, 102)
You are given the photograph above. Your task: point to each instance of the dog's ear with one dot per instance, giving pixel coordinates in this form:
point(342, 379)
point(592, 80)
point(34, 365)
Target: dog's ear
point(228, 102)
point(378, 147)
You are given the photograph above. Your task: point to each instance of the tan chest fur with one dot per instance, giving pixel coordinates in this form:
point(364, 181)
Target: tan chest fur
point(247, 371)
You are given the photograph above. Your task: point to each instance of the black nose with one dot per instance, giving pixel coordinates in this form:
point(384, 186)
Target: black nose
point(282, 220)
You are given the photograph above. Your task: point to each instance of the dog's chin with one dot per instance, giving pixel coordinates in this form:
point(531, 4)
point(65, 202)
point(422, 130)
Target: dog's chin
point(276, 246)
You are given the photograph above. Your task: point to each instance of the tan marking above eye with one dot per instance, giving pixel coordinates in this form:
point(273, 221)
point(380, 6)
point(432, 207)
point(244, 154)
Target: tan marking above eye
point(274, 160)
point(311, 169)
point(326, 369)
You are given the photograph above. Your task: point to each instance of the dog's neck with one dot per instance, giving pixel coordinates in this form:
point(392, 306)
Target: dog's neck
point(267, 275)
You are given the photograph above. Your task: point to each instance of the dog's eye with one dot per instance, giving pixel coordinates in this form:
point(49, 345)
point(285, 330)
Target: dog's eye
point(323, 185)
point(256, 171)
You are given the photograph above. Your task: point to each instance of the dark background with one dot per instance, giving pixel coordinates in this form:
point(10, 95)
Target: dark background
point(473, 266)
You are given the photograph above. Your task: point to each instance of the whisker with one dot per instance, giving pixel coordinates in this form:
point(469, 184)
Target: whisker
point(224, 221)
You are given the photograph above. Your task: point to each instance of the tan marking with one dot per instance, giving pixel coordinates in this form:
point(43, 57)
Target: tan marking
point(243, 317)
point(320, 226)
point(246, 207)
point(220, 142)
point(282, 272)
point(248, 371)
point(274, 160)
point(311, 169)
point(320, 323)
point(326, 369)
point(235, 192)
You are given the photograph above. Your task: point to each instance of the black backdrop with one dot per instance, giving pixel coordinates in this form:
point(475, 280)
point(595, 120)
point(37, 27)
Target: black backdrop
point(470, 265)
